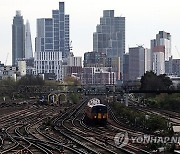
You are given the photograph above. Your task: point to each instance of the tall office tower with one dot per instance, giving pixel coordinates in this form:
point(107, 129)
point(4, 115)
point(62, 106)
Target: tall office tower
point(163, 38)
point(61, 30)
point(158, 59)
point(52, 42)
point(28, 43)
point(148, 60)
point(110, 37)
point(169, 66)
point(126, 67)
point(136, 62)
point(18, 39)
point(161, 49)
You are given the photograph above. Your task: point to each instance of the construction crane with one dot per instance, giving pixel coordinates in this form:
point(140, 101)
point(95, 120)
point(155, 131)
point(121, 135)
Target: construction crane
point(177, 51)
point(6, 58)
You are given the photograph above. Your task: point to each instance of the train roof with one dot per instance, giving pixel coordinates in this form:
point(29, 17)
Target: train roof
point(99, 105)
point(94, 101)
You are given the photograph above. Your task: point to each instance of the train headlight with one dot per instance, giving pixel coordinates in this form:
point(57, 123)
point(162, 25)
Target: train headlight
point(99, 115)
point(105, 116)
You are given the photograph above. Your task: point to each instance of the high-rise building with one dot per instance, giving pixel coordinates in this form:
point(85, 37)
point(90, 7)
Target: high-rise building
point(28, 43)
point(18, 39)
point(158, 59)
point(161, 50)
point(148, 59)
point(163, 39)
point(176, 67)
point(172, 67)
point(109, 37)
point(126, 67)
point(52, 42)
point(136, 62)
point(60, 31)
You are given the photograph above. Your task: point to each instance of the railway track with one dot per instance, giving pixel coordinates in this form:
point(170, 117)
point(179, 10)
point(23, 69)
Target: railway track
point(117, 126)
point(14, 134)
point(25, 131)
point(72, 127)
point(64, 124)
point(21, 144)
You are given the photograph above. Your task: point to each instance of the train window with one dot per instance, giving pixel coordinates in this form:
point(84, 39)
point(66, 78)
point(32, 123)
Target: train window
point(96, 109)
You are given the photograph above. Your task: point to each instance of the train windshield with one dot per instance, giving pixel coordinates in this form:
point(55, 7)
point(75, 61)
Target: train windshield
point(97, 109)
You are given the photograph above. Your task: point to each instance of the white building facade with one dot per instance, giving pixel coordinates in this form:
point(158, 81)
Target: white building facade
point(159, 60)
point(161, 49)
point(74, 61)
point(148, 60)
point(164, 38)
point(8, 72)
point(49, 62)
point(22, 67)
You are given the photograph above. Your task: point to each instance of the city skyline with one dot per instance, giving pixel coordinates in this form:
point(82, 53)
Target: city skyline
point(143, 21)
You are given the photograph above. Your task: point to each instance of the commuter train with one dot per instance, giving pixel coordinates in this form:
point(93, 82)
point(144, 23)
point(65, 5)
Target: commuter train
point(96, 113)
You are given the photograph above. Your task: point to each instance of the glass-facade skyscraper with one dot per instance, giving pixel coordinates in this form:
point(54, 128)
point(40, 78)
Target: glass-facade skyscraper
point(52, 42)
point(110, 36)
point(28, 43)
point(21, 39)
point(18, 39)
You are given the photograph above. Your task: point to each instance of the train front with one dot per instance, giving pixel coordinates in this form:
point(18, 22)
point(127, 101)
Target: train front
point(99, 114)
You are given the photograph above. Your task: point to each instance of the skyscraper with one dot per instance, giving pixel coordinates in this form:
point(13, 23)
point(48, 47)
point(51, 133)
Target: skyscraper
point(52, 42)
point(161, 49)
point(158, 59)
point(136, 62)
point(163, 38)
point(18, 46)
point(28, 43)
point(110, 36)
point(126, 67)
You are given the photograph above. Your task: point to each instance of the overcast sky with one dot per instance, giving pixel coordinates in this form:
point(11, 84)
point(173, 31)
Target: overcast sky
point(144, 19)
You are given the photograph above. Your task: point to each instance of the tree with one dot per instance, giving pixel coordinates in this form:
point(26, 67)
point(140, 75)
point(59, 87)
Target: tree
point(70, 80)
point(30, 80)
point(7, 82)
point(150, 81)
point(7, 87)
point(166, 81)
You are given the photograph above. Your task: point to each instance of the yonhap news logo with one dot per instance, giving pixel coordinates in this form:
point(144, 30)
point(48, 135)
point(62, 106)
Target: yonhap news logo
point(122, 139)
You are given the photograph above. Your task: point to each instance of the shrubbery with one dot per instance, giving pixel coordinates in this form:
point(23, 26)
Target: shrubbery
point(146, 122)
point(165, 101)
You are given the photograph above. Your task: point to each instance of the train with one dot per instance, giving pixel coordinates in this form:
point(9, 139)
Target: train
point(96, 113)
